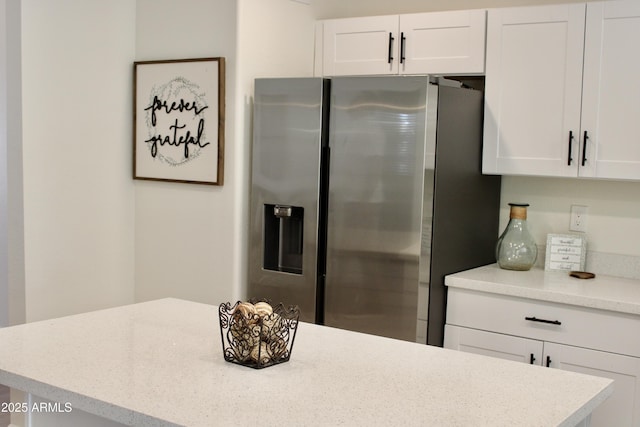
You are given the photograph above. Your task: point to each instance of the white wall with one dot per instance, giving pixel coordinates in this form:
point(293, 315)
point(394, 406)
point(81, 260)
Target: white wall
point(4, 189)
point(78, 194)
point(14, 218)
point(94, 237)
point(613, 219)
point(184, 233)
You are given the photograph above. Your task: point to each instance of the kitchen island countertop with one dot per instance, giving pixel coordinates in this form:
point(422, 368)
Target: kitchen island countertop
point(160, 363)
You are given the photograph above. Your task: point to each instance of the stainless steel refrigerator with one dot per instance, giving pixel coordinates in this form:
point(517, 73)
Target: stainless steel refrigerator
point(365, 193)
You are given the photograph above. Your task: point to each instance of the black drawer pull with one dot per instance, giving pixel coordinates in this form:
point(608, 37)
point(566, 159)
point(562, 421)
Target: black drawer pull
point(532, 359)
point(535, 319)
point(548, 361)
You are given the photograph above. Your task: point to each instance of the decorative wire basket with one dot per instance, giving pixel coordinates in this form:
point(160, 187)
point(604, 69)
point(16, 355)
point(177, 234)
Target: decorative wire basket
point(255, 340)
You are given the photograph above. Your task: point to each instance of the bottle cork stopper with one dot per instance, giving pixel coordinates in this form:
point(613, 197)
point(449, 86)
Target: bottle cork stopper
point(518, 211)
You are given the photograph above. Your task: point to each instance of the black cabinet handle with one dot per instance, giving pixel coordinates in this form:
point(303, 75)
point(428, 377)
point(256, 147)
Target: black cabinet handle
point(532, 359)
point(570, 158)
point(402, 40)
point(535, 319)
point(391, 39)
point(548, 361)
point(584, 148)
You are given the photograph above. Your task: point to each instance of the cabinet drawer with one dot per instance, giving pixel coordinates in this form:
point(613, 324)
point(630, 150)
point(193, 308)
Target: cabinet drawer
point(572, 325)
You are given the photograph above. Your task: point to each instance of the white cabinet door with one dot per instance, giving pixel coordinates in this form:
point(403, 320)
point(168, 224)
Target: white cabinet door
point(622, 408)
point(491, 344)
point(611, 91)
point(361, 46)
point(443, 42)
point(533, 90)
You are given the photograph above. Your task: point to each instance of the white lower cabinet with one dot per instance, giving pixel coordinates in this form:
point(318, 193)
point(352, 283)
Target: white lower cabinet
point(621, 409)
point(533, 346)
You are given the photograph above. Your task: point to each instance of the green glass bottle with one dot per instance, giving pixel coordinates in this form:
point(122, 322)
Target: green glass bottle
point(516, 249)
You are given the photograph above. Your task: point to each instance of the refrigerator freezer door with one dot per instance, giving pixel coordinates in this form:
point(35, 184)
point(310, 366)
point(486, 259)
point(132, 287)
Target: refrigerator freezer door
point(377, 143)
point(284, 192)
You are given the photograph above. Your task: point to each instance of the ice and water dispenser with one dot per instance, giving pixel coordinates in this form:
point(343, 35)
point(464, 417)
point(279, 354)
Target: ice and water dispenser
point(283, 232)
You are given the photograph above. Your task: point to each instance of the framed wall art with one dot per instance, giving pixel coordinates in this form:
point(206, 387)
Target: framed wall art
point(179, 120)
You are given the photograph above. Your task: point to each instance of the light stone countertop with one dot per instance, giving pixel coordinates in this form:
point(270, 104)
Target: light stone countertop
point(602, 292)
point(160, 363)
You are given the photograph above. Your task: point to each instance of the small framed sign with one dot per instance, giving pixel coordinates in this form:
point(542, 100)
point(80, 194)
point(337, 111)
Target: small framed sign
point(566, 252)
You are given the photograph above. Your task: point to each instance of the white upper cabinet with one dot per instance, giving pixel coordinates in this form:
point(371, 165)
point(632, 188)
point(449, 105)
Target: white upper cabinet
point(561, 95)
point(533, 88)
point(611, 91)
point(424, 43)
point(443, 42)
point(360, 46)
